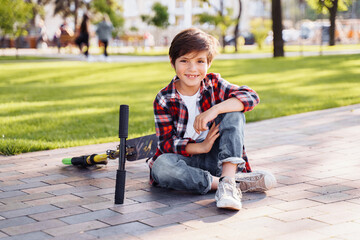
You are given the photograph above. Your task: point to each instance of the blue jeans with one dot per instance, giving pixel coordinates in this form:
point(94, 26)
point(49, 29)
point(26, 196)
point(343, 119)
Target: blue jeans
point(195, 173)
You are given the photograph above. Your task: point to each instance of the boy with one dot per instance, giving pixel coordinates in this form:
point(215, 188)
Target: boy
point(200, 125)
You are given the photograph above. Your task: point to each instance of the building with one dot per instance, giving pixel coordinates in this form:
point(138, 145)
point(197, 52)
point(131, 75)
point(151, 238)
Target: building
point(182, 15)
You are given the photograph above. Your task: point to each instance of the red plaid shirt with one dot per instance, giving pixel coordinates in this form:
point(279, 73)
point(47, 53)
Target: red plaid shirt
point(171, 113)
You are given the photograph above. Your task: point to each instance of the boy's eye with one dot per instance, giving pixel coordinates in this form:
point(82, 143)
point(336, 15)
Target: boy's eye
point(182, 60)
point(201, 61)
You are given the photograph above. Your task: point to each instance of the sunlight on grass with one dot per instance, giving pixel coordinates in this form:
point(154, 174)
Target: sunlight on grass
point(47, 105)
point(291, 48)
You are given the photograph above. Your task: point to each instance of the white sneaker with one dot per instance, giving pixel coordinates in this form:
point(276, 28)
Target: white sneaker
point(256, 181)
point(227, 195)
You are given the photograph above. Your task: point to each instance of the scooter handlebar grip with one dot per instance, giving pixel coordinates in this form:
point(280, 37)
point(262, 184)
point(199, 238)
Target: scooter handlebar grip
point(120, 187)
point(123, 121)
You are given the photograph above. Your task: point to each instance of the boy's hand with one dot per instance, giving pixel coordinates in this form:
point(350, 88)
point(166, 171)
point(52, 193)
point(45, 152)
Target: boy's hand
point(206, 145)
point(201, 120)
point(212, 135)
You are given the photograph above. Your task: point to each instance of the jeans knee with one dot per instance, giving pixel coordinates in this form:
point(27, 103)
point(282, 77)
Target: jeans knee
point(163, 168)
point(234, 117)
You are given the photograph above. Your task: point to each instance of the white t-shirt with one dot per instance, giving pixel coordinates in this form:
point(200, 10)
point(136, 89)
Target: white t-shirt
point(193, 111)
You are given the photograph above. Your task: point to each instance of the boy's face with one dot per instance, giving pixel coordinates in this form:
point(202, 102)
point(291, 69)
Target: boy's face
point(191, 69)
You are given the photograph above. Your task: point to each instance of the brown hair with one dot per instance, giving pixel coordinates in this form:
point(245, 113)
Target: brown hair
point(193, 40)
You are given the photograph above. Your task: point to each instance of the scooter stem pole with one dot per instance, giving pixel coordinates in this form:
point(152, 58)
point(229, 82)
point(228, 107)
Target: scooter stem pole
point(121, 173)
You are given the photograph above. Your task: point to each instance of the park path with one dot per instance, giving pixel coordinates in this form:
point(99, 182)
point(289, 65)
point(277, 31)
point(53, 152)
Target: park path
point(52, 53)
point(315, 157)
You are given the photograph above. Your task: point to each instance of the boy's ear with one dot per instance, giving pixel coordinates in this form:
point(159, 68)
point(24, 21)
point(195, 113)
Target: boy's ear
point(209, 65)
point(172, 65)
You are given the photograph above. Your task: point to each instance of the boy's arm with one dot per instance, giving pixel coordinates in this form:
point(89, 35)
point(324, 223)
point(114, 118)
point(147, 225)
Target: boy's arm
point(200, 124)
point(229, 105)
point(206, 145)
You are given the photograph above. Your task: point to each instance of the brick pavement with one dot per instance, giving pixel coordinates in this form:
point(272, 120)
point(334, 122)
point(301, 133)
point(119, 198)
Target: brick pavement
point(315, 157)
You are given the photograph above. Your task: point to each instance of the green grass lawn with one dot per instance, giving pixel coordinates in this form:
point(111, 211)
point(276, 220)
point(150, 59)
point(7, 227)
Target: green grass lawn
point(248, 49)
point(47, 105)
point(22, 58)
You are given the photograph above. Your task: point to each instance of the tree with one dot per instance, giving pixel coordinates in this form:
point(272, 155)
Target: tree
point(236, 31)
point(222, 20)
point(68, 8)
point(260, 28)
point(37, 10)
point(160, 18)
point(113, 10)
point(276, 15)
point(14, 18)
point(331, 7)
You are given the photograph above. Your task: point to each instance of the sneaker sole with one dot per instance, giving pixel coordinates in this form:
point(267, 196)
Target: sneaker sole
point(228, 204)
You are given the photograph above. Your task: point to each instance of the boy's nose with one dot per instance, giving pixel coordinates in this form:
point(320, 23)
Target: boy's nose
point(191, 66)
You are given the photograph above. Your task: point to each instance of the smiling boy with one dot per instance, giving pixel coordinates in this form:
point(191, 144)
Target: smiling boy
point(199, 119)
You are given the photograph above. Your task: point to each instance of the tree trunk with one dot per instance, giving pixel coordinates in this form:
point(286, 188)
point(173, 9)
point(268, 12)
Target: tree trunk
point(332, 11)
point(236, 32)
point(221, 13)
point(76, 14)
point(277, 28)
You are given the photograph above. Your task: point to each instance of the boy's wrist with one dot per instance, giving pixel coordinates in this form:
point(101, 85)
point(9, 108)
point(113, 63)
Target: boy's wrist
point(196, 148)
point(216, 109)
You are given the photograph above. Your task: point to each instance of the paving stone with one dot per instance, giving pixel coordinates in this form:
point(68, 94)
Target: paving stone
point(299, 225)
point(53, 200)
point(75, 228)
point(84, 217)
point(211, 221)
point(333, 197)
point(29, 236)
point(130, 217)
point(28, 211)
point(65, 180)
point(206, 211)
point(11, 194)
point(298, 204)
point(26, 197)
point(188, 207)
point(46, 188)
point(80, 201)
point(330, 189)
point(300, 235)
point(3, 235)
point(99, 205)
point(10, 183)
point(134, 228)
point(97, 192)
point(339, 229)
point(337, 217)
point(21, 176)
point(295, 195)
point(261, 202)
point(12, 206)
point(43, 178)
point(72, 190)
point(168, 219)
point(24, 186)
point(298, 214)
point(100, 183)
point(77, 236)
point(317, 196)
point(18, 221)
point(163, 233)
point(138, 207)
point(32, 227)
point(58, 213)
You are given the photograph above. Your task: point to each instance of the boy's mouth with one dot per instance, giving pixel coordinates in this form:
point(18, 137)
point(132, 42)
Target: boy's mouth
point(191, 76)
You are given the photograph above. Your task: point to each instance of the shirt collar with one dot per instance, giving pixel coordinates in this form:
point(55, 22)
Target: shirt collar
point(175, 95)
